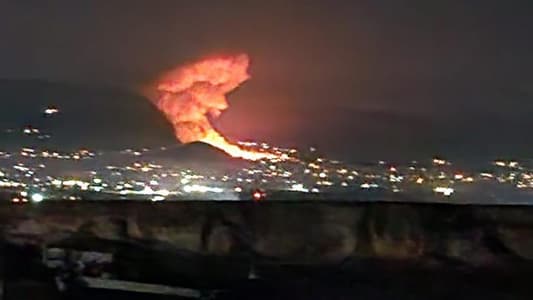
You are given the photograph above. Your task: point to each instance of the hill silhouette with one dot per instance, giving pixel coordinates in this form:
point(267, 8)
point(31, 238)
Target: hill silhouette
point(93, 117)
point(111, 118)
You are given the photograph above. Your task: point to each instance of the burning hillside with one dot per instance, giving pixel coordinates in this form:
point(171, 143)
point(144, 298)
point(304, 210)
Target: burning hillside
point(192, 94)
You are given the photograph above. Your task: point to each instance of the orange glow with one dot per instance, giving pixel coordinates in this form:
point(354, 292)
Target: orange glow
point(193, 93)
point(214, 139)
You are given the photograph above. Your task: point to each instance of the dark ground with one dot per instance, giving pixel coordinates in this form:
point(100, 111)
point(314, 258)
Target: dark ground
point(299, 250)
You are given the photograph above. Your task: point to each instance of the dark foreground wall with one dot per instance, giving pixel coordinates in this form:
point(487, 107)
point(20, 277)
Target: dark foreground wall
point(288, 232)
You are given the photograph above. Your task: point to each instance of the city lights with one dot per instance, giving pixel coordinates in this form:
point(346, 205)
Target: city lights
point(131, 176)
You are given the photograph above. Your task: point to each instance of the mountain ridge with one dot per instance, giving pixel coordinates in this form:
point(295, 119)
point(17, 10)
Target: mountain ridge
point(88, 117)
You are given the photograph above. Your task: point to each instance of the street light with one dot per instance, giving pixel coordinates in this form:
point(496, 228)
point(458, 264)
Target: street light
point(37, 197)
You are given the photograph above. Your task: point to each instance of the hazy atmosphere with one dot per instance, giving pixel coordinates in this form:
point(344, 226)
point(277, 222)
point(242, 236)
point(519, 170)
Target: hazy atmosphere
point(395, 79)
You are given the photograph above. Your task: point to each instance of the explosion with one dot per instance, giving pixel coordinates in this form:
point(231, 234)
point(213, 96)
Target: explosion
point(191, 94)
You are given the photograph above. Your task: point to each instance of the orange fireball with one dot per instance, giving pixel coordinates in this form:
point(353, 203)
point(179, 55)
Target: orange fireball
point(191, 94)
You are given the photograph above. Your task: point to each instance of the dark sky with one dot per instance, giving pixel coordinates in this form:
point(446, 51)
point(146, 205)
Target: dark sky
point(457, 62)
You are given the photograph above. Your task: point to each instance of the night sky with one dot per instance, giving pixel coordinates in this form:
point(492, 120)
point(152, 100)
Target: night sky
point(351, 76)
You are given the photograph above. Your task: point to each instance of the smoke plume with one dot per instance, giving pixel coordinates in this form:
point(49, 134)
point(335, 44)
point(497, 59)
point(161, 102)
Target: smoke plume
point(192, 94)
